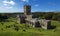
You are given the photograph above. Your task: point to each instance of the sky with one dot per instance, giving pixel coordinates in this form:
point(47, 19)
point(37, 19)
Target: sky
point(9, 6)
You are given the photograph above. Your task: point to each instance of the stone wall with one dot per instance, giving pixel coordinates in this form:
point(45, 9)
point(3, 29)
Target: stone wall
point(45, 24)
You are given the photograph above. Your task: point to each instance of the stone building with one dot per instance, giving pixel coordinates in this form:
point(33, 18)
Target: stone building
point(27, 18)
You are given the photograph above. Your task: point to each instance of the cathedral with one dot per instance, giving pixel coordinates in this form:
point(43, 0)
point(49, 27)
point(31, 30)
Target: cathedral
point(32, 20)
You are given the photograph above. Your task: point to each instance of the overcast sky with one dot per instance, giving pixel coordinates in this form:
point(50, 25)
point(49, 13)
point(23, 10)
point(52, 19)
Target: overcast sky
point(37, 5)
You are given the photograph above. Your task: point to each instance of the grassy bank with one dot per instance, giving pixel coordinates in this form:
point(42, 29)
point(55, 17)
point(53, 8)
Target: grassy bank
point(10, 31)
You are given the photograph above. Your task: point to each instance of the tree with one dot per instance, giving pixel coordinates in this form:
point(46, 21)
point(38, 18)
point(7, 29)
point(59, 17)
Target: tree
point(48, 15)
point(3, 17)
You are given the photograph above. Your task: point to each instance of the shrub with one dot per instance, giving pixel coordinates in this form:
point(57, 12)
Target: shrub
point(2, 29)
point(7, 26)
point(24, 30)
point(16, 28)
point(2, 23)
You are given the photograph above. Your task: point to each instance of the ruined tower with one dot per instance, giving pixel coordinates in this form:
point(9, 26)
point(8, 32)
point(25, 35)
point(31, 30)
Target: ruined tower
point(27, 10)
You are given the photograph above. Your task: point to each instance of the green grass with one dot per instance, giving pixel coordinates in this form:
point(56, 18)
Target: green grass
point(29, 31)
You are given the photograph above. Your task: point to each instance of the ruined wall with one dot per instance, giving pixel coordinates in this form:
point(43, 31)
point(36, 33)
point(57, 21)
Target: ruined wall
point(18, 18)
point(33, 22)
point(45, 24)
point(29, 17)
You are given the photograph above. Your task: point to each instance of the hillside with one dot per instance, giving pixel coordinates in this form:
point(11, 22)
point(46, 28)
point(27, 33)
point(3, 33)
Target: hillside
point(12, 28)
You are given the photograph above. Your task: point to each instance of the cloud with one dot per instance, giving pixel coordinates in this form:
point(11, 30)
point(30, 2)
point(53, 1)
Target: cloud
point(9, 2)
point(5, 4)
point(25, 0)
point(9, 7)
point(49, 10)
point(36, 5)
point(12, 2)
point(50, 3)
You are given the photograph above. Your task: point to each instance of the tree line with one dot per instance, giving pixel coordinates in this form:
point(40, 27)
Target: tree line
point(48, 15)
point(3, 17)
point(42, 15)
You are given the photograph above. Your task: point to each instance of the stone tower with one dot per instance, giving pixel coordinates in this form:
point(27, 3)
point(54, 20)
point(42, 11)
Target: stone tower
point(27, 10)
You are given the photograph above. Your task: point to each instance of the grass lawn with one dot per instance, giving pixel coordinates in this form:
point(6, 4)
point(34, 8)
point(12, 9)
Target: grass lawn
point(29, 31)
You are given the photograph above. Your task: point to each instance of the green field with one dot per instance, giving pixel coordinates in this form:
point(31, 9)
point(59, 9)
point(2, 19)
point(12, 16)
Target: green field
point(7, 29)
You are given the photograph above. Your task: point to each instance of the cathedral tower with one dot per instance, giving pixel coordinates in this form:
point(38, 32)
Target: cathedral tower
point(27, 10)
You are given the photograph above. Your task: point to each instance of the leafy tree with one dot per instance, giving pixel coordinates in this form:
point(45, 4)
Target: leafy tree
point(3, 17)
point(48, 16)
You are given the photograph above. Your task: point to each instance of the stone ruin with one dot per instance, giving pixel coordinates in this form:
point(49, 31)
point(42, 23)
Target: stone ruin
point(27, 18)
